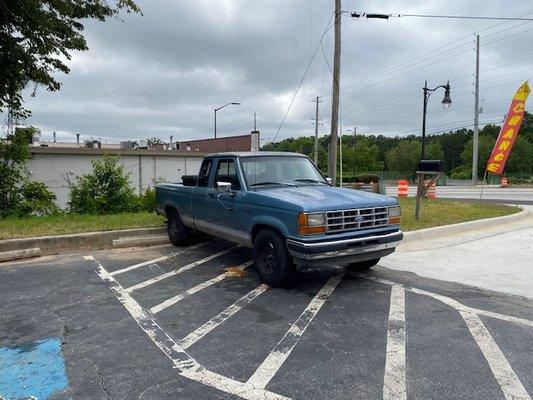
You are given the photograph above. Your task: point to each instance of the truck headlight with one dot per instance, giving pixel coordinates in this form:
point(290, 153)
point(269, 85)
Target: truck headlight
point(311, 223)
point(395, 214)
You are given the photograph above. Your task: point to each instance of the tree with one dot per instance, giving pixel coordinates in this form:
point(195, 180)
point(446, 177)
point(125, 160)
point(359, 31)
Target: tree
point(105, 190)
point(154, 140)
point(362, 157)
point(485, 145)
point(406, 155)
point(36, 36)
point(14, 153)
point(18, 194)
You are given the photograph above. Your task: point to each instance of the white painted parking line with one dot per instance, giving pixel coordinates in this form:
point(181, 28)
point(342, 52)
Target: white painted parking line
point(186, 293)
point(394, 386)
point(454, 303)
point(156, 260)
point(270, 366)
point(179, 270)
point(509, 383)
point(183, 362)
point(203, 330)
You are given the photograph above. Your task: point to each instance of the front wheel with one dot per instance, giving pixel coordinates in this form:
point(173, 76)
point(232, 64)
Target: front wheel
point(363, 265)
point(178, 233)
point(271, 259)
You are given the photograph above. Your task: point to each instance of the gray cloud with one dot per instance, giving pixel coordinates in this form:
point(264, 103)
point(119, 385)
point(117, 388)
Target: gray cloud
point(163, 73)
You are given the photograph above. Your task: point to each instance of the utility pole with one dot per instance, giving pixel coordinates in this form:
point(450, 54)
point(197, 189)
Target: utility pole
point(354, 151)
point(315, 158)
point(475, 152)
point(332, 156)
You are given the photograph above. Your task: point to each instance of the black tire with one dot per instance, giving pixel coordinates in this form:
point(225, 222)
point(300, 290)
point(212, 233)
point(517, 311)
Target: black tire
point(272, 261)
point(363, 265)
point(177, 232)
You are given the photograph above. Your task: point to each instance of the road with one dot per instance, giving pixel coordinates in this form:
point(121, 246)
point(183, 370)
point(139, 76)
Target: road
point(510, 195)
point(196, 323)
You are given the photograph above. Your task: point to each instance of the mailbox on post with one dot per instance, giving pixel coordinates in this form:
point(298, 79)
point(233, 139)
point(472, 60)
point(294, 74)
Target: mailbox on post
point(430, 166)
point(433, 168)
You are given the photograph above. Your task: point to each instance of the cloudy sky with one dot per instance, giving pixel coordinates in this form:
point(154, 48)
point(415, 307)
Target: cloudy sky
point(164, 72)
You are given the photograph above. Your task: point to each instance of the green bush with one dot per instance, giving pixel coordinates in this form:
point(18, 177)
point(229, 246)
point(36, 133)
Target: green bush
point(366, 178)
point(147, 201)
point(461, 173)
point(36, 200)
point(513, 180)
point(105, 190)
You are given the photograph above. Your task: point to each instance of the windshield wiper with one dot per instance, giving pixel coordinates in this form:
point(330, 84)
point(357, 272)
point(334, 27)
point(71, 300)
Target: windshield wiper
point(310, 180)
point(272, 183)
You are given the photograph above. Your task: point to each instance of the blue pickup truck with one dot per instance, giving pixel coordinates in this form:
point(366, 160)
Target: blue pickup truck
point(281, 206)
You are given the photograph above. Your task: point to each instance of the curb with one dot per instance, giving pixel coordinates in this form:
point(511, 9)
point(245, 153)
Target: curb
point(55, 244)
point(438, 231)
point(140, 240)
point(20, 254)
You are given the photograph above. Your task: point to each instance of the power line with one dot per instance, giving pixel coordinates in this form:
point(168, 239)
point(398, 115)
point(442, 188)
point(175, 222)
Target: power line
point(303, 76)
point(387, 16)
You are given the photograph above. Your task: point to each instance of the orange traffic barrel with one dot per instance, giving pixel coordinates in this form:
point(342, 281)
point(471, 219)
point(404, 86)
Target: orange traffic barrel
point(504, 182)
point(431, 192)
point(402, 188)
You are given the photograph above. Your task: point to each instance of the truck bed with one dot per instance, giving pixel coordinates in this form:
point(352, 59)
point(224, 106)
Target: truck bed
point(175, 195)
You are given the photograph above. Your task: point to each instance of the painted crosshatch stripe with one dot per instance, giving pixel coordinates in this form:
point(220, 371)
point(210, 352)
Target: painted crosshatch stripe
point(271, 365)
point(201, 286)
point(179, 270)
point(203, 330)
point(183, 362)
point(156, 260)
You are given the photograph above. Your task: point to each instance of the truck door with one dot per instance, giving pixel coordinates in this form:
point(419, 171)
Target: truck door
point(224, 211)
point(199, 195)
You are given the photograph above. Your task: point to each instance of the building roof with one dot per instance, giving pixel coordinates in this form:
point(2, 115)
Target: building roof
point(255, 154)
point(124, 152)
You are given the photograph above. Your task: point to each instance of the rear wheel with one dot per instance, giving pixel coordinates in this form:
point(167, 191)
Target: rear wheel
point(363, 265)
point(178, 233)
point(271, 259)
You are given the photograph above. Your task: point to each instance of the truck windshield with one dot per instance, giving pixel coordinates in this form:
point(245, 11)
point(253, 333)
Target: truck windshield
point(280, 170)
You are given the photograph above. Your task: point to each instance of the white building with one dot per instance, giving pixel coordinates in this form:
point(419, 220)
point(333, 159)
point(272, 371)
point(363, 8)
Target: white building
point(55, 165)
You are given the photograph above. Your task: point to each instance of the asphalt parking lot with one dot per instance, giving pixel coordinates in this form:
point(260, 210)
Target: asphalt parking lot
point(196, 323)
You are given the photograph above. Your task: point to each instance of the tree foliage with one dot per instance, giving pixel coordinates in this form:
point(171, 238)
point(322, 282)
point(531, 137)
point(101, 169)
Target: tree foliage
point(105, 190)
point(376, 153)
point(19, 195)
point(14, 154)
point(36, 36)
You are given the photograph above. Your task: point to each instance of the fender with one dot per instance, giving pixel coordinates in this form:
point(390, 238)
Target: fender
point(271, 221)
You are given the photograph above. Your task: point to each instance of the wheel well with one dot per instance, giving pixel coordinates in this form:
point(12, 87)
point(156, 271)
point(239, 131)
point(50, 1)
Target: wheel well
point(259, 227)
point(169, 210)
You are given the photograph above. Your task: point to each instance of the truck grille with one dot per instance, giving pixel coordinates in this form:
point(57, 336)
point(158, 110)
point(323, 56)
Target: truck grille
point(359, 218)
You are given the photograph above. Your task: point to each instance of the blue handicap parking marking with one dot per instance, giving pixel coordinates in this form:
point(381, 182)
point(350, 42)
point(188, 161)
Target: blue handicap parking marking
point(32, 370)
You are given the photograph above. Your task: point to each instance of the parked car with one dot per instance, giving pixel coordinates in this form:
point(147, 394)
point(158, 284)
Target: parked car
point(281, 206)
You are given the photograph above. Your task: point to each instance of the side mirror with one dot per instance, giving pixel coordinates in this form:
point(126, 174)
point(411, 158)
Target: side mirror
point(224, 187)
point(329, 180)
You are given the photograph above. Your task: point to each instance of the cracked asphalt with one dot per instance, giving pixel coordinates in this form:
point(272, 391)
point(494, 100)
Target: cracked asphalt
point(341, 350)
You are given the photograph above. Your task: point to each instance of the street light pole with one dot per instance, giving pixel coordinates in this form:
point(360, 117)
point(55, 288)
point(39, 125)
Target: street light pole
point(446, 102)
point(423, 120)
point(220, 108)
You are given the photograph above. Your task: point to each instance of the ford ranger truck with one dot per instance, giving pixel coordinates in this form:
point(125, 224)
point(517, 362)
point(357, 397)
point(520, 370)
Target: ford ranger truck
point(280, 205)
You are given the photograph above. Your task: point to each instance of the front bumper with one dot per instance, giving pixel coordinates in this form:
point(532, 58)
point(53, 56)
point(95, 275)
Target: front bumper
point(344, 250)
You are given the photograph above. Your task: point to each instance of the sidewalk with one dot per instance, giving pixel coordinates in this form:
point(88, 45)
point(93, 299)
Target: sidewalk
point(498, 258)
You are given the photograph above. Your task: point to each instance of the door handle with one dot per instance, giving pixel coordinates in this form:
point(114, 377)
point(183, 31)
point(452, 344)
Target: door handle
point(210, 195)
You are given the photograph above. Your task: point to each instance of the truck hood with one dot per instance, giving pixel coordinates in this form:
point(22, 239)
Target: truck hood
point(324, 198)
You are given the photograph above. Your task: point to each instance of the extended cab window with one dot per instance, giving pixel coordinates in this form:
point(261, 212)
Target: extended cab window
point(203, 175)
point(226, 172)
